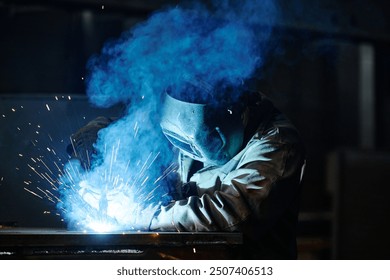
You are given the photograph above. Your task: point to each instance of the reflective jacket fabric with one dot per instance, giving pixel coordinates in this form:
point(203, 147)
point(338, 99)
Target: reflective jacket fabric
point(256, 192)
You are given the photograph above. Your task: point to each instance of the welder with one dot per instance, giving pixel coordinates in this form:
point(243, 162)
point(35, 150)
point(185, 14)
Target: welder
point(240, 168)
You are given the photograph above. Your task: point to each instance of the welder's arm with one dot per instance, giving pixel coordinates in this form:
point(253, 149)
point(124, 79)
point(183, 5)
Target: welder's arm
point(222, 210)
point(270, 165)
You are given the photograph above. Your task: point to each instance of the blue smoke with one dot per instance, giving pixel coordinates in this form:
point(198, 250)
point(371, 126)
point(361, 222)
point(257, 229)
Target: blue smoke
point(223, 44)
point(220, 46)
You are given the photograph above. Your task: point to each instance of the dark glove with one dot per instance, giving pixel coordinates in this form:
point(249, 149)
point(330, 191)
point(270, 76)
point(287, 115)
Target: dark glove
point(82, 146)
point(189, 189)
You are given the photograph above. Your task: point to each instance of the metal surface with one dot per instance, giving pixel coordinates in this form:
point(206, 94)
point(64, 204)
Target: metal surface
point(62, 244)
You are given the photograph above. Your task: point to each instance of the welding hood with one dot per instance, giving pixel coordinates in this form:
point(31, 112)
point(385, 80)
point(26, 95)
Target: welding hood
point(210, 133)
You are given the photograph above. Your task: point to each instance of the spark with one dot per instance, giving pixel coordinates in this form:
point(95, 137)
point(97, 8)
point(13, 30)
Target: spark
point(47, 106)
point(13, 110)
point(53, 195)
point(49, 179)
point(58, 168)
point(45, 166)
point(114, 153)
point(154, 159)
point(136, 128)
point(143, 168)
point(74, 148)
point(42, 191)
point(150, 195)
point(170, 169)
point(33, 193)
point(127, 166)
point(69, 97)
point(56, 97)
point(146, 179)
point(3, 116)
point(36, 172)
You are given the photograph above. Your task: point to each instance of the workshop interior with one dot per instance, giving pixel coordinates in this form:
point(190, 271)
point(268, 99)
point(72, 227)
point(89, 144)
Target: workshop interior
point(327, 71)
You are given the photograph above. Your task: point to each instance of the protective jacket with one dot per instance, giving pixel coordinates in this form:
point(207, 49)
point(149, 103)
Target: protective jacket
point(256, 192)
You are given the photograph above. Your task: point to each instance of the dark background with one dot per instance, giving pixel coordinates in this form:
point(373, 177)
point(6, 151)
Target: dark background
point(330, 75)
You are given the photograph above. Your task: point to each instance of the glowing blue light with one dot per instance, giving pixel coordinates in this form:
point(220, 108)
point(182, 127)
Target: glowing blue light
point(122, 189)
point(101, 227)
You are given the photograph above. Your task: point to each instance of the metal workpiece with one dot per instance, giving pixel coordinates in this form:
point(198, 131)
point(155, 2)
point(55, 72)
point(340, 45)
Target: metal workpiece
point(62, 244)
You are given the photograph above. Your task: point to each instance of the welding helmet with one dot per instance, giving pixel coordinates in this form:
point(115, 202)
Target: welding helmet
point(210, 133)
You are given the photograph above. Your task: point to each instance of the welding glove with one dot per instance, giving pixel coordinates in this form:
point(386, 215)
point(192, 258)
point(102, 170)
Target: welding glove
point(82, 146)
point(117, 207)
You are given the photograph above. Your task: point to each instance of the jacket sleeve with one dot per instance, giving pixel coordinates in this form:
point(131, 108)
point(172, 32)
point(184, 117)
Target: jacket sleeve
point(225, 200)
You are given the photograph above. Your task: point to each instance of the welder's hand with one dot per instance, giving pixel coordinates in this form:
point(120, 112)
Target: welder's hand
point(117, 206)
point(82, 146)
point(90, 194)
